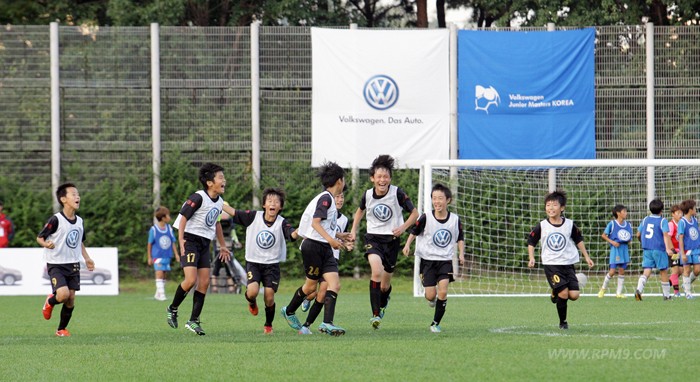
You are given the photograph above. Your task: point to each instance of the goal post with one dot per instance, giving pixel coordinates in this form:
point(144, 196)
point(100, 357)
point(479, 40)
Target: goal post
point(499, 201)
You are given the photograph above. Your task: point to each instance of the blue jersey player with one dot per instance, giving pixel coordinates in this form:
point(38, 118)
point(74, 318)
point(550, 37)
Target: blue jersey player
point(689, 245)
point(657, 248)
point(618, 234)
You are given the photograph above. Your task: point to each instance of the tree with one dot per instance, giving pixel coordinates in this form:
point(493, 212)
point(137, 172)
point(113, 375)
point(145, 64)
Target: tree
point(375, 13)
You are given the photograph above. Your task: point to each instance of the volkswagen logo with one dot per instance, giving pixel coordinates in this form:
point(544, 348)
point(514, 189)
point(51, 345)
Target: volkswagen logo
point(73, 238)
point(382, 212)
point(442, 238)
point(624, 235)
point(556, 242)
point(381, 92)
point(212, 217)
point(265, 239)
point(164, 242)
point(693, 233)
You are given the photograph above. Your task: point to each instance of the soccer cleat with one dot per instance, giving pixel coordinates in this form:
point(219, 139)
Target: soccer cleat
point(638, 295)
point(305, 305)
point(668, 298)
point(564, 326)
point(689, 296)
point(382, 309)
point(160, 297)
point(435, 328)
point(432, 302)
point(292, 320)
point(305, 330)
point(331, 329)
point(677, 295)
point(172, 317)
point(62, 333)
point(553, 297)
point(195, 327)
point(267, 329)
point(47, 309)
point(601, 293)
point(375, 322)
point(620, 296)
point(253, 308)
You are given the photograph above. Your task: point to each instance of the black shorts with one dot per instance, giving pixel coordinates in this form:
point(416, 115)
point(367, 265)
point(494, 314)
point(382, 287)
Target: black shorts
point(267, 274)
point(432, 271)
point(196, 252)
point(64, 275)
point(386, 247)
point(318, 259)
point(561, 277)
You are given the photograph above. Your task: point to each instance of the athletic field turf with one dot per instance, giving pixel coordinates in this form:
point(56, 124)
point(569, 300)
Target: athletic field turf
point(126, 338)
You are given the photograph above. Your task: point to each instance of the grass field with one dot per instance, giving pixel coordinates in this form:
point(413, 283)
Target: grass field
point(126, 338)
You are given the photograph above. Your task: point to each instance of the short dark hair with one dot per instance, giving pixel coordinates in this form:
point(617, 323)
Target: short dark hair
point(274, 191)
point(617, 209)
point(675, 208)
point(558, 195)
point(656, 206)
point(161, 213)
point(207, 173)
point(382, 161)
point(61, 191)
point(687, 205)
point(329, 173)
point(441, 187)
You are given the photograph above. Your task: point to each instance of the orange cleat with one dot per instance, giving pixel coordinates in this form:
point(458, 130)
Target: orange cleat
point(267, 329)
point(253, 309)
point(62, 333)
point(48, 308)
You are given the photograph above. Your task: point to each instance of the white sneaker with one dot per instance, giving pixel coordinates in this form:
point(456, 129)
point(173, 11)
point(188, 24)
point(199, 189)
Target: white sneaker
point(160, 297)
point(432, 302)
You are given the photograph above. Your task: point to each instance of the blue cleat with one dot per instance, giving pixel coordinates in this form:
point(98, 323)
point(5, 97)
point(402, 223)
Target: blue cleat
point(292, 320)
point(305, 305)
point(435, 328)
point(331, 329)
point(305, 330)
point(382, 309)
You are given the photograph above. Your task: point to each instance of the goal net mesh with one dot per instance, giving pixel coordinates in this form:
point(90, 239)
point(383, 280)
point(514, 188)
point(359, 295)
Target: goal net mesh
point(498, 208)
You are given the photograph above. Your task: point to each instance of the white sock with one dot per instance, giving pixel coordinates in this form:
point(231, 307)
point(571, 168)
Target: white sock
point(160, 286)
point(620, 281)
point(606, 281)
point(665, 289)
point(686, 285)
point(641, 283)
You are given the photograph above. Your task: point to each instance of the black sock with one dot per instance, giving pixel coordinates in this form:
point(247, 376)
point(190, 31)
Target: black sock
point(197, 305)
point(329, 307)
point(251, 301)
point(313, 313)
point(385, 297)
point(439, 311)
point(53, 301)
point(297, 299)
point(675, 288)
point(66, 314)
point(179, 297)
point(375, 296)
point(561, 309)
point(269, 314)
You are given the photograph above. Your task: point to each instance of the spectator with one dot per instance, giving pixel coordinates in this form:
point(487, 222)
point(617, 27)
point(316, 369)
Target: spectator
point(7, 229)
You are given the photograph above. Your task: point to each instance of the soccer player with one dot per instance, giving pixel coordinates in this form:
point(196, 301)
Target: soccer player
point(656, 244)
point(618, 233)
point(689, 245)
point(318, 228)
point(320, 295)
point(161, 248)
point(560, 238)
point(198, 223)
point(676, 268)
point(265, 248)
point(63, 239)
point(436, 235)
point(384, 204)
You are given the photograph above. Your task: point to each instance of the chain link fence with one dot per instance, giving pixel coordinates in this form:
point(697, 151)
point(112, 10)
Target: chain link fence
point(105, 82)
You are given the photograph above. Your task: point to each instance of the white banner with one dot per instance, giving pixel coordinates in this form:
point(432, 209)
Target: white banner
point(380, 92)
point(23, 273)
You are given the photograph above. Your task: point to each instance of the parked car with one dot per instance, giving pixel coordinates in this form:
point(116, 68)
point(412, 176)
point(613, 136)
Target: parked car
point(9, 276)
point(98, 276)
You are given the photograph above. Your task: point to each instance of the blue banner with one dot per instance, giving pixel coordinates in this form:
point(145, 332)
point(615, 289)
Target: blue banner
point(526, 95)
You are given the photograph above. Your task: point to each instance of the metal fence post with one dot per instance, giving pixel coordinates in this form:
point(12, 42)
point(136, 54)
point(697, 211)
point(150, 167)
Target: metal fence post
point(255, 107)
point(55, 112)
point(155, 110)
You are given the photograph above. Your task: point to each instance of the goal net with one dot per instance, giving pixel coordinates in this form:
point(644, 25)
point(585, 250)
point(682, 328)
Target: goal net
point(500, 201)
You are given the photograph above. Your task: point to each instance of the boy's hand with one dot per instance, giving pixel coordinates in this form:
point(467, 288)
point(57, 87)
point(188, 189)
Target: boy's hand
point(90, 264)
point(531, 263)
point(615, 244)
point(406, 250)
point(50, 244)
point(335, 244)
point(590, 262)
point(461, 259)
point(224, 254)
